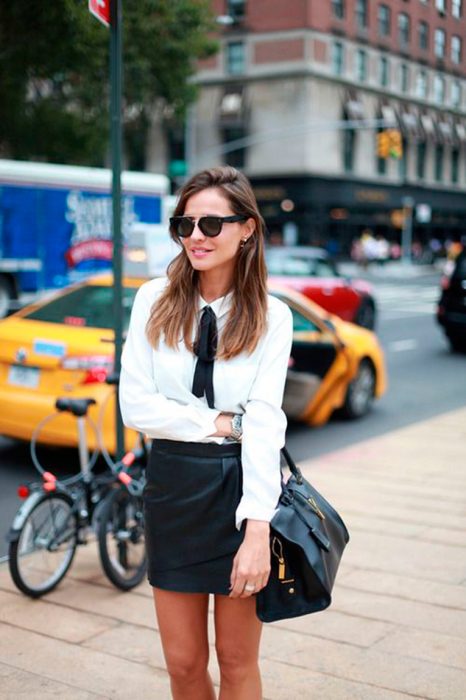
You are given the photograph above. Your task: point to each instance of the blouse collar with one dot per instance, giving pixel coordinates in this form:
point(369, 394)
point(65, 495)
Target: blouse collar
point(220, 306)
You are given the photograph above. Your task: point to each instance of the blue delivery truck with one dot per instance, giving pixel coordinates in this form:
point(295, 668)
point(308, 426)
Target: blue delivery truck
point(56, 223)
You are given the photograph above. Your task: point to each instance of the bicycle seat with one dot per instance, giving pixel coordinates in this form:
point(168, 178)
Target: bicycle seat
point(78, 407)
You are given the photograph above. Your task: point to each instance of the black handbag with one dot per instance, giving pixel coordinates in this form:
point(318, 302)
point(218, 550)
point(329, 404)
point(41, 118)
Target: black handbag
point(307, 539)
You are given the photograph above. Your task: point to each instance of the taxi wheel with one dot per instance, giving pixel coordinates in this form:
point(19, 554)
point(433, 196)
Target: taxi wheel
point(360, 393)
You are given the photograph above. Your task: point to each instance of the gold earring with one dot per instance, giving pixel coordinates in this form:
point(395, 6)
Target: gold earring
point(243, 242)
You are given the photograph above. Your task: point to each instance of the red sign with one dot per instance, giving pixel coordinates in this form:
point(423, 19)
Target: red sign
point(94, 249)
point(101, 10)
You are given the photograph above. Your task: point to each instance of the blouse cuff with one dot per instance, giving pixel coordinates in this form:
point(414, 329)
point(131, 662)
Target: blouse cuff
point(253, 511)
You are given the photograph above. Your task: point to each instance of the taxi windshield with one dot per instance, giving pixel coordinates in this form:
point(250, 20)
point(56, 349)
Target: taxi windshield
point(88, 306)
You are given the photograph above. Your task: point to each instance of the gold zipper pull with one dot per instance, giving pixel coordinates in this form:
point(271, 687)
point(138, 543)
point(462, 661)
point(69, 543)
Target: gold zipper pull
point(281, 569)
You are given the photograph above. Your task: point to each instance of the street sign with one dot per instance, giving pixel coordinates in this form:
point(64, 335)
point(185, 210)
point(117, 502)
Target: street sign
point(101, 10)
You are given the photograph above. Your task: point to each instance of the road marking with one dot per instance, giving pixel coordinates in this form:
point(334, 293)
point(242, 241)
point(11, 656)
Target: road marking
point(403, 345)
point(4, 559)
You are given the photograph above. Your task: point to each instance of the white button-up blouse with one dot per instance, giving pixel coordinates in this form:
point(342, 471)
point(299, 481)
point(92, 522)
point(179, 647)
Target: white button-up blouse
point(156, 397)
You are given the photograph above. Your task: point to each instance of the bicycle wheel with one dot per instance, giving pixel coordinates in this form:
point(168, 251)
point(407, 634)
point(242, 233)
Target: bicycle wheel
point(121, 539)
point(41, 554)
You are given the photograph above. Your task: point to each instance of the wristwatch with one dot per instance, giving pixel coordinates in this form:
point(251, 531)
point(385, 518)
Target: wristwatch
point(236, 428)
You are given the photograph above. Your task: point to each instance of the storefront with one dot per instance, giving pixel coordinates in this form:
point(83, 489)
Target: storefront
point(333, 212)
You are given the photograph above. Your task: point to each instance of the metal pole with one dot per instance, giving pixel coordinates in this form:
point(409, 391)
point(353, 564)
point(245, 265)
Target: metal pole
point(116, 140)
point(407, 231)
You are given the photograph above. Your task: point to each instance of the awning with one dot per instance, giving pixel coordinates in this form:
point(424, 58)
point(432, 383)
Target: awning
point(428, 126)
point(445, 131)
point(232, 107)
point(352, 106)
point(389, 116)
point(410, 124)
point(460, 129)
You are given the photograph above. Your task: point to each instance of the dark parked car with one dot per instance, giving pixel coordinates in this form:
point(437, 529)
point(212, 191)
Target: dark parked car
point(310, 271)
point(451, 310)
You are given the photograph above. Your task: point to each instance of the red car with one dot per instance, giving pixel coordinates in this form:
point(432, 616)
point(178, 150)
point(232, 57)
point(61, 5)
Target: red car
point(310, 271)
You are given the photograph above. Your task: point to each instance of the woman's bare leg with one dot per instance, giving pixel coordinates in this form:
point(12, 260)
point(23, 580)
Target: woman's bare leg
point(238, 631)
point(182, 620)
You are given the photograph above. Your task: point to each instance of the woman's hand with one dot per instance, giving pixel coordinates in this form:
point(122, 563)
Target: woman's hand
point(251, 565)
point(223, 425)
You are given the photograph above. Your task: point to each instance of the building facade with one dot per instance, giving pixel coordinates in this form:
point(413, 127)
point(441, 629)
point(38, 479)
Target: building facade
point(299, 93)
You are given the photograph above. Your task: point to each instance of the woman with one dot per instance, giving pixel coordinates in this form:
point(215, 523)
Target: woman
point(203, 372)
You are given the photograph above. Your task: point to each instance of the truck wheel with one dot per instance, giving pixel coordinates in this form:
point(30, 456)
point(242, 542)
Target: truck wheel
point(5, 297)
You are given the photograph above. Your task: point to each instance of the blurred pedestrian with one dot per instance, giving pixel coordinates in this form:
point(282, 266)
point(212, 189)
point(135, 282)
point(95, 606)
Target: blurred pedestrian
point(203, 373)
point(382, 249)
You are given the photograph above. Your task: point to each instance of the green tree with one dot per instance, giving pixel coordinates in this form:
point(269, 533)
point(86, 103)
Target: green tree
point(54, 84)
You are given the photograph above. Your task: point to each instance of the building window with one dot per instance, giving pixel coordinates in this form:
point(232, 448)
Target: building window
point(439, 47)
point(384, 71)
point(438, 164)
point(381, 162)
point(403, 29)
point(439, 89)
point(349, 143)
point(403, 165)
point(384, 20)
point(441, 6)
point(421, 84)
point(455, 163)
point(456, 49)
point(455, 93)
point(361, 65)
point(236, 9)
point(456, 8)
point(338, 58)
point(362, 18)
point(423, 35)
point(236, 158)
point(235, 58)
point(421, 161)
point(404, 77)
point(338, 7)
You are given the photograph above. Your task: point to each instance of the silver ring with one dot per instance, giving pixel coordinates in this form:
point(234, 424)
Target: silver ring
point(249, 587)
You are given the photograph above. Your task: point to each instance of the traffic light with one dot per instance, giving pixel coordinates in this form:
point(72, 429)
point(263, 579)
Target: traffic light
point(383, 144)
point(389, 144)
point(396, 144)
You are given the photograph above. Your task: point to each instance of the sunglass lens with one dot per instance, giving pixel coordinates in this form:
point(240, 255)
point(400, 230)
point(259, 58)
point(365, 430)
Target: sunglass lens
point(184, 227)
point(210, 225)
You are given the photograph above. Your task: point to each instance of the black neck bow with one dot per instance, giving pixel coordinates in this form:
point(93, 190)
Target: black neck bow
point(205, 348)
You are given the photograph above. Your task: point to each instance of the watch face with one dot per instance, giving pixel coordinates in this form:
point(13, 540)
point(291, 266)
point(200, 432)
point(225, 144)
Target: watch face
point(237, 430)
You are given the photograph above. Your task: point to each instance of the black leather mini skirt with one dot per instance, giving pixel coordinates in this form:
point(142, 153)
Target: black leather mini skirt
point(190, 500)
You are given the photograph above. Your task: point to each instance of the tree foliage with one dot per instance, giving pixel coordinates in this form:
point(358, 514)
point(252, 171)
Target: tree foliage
point(54, 73)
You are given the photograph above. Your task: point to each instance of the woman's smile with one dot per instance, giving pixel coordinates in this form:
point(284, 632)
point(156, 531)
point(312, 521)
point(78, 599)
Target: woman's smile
point(200, 252)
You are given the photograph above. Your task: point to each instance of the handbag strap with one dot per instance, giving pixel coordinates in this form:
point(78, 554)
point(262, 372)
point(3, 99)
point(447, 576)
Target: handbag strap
point(290, 463)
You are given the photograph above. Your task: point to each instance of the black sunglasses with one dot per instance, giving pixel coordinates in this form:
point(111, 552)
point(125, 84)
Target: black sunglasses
point(183, 226)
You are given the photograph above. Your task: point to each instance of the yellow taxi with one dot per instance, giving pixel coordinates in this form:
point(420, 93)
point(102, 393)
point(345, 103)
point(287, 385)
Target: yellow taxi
point(334, 365)
point(63, 346)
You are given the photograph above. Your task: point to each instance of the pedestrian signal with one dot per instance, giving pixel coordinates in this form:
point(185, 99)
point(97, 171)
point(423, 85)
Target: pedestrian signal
point(396, 144)
point(383, 144)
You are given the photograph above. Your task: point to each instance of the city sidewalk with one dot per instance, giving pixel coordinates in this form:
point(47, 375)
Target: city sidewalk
point(396, 628)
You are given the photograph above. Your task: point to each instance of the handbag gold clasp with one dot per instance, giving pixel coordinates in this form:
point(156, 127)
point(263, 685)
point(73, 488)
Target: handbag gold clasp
point(315, 507)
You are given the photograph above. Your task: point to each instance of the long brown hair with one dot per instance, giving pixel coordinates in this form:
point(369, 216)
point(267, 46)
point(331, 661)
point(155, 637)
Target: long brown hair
point(174, 312)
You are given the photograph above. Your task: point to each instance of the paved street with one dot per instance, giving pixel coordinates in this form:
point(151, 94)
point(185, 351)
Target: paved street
point(396, 629)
